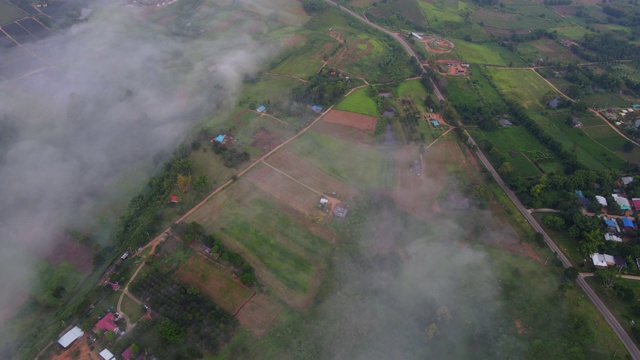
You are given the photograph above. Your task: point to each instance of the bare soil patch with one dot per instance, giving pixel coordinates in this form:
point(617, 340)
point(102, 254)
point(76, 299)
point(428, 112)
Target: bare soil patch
point(67, 249)
point(78, 350)
point(259, 313)
point(294, 40)
point(344, 132)
point(454, 67)
point(358, 121)
point(284, 189)
point(437, 44)
point(215, 281)
point(311, 175)
point(265, 140)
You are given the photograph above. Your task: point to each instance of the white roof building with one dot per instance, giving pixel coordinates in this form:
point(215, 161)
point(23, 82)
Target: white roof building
point(598, 260)
point(626, 179)
point(611, 237)
point(622, 201)
point(601, 200)
point(70, 336)
point(107, 355)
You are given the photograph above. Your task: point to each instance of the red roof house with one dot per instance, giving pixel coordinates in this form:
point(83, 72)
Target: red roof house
point(107, 323)
point(127, 354)
point(174, 198)
point(636, 203)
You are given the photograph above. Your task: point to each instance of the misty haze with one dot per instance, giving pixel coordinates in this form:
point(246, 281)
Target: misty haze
point(284, 179)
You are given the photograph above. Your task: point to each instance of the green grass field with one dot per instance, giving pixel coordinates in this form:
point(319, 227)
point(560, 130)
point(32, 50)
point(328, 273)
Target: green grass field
point(524, 86)
point(133, 310)
point(487, 54)
point(573, 32)
point(462, 93)
point(547, 50)
point(304, 60)
point(359, 102)
point(361, 166)
point(9, 12)
point(414, 89)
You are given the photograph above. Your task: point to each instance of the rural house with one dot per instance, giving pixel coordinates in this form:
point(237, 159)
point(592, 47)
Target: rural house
point(602, 200)
point(340, 211)
point(107, 355)
point(622, 201)
point(107, 323)
point(636, 203)
point(628, 224)
point(606, 260)
point(611, 237)
point(576, 123)
point(505, 123)
point(626, 180)
point(384, 94)
point(70, 336)
point(261, 108)
point(612, 225)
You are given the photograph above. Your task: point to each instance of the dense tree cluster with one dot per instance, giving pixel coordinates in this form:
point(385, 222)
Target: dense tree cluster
point(231, 157)
point(189, 318)
point(323, 88)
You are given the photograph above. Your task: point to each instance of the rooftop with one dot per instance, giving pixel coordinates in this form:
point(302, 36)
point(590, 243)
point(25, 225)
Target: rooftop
point(70, 336)
point(107, 355)
point(107, 323)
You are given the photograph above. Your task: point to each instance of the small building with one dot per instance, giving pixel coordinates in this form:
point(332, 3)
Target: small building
point(220, 138)
point(465, 65)
point(637, 124)
point(107, 323)
point(598, 260)
point(611, 237)
point(316, 108)
point(261, 108)
point(416, 35)
point(70, 336)
point(107, 355)
point(416, 167)
point(127, 354)
point(434, 122)
point(606, 260)
point(554, 103)
point(626, 180)
point(340, 211)
point(505, 123)
point(384, 94)
point(622, 201)
point(324, 200)
point(636, 106)
point(612, 226)
point(628, 224)
point(576, 123)
point(114, 285)
point(636, 203)
point(124, 256)
point(174, 199)
point(602, 200)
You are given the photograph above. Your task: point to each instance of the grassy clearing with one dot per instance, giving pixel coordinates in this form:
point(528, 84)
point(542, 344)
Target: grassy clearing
point(487, 54)
point(361, 166)
point(306, 58)
point(518, 17)
point(605, 99)
point(607, 137)
point(524, 86)
point(270, 89)
point(573, 32)
point(414, 89)
point(9, 12)
point(133, 310)
point(568, 246)
point(621, 310)
point(359, 102)
point(548, 50)
point(213, 281)
point(462, 93)
point(442, 12)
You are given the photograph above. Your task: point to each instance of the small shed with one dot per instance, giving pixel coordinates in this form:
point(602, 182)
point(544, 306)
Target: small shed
point(611, 237)
point(601, 200)
point(626, 180)
point(391, 112)
point(107, 355)
point(220, 138)
point(622, 201)
point(340, 211)
point(384, 94)
point(316, 108)
point(261, 108)
point(174, 199)
point(434, 122)
point(70, 336)
point(576, 123)
point(505, 123)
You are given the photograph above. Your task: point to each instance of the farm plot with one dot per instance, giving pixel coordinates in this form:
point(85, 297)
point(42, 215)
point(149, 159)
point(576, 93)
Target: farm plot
point(215, 281)
point(343, 132)
point(405, 9)
point(524, 86)
point(311, 175)
point(304, 59)
point(285, 189)
point(611, 140)
point(573, 32)
point(487, 54)
point(34, 27)
point(414, 89)
point(67, 249)
point(361, 166)
point(18, 33)
point(548, 50)
point(259, 313)
point(361, 55)
point(359, 102)
point(358, 121)
point(9, 12)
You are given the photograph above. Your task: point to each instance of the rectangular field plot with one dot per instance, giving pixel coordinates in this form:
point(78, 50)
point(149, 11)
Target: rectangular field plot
point(287, 248)
point(524, 86)
point(305, 58)
point(34, 27)
point(18, 33)
point(9, 12)
point(487, 54)
point(359, 102)
point(546, 49)
point(311, 175)
point(285, 189)
point(215, 282)
point(608, 138)
point(363, 167)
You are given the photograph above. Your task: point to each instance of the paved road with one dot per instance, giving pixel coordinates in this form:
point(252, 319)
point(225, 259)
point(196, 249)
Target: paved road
point(608, 316)
point(613, 322)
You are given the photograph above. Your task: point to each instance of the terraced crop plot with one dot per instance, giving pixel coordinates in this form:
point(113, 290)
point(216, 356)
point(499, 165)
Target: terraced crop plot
point(34, 27)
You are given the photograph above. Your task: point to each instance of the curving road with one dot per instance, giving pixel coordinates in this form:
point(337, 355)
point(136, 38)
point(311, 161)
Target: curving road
point(608, 316)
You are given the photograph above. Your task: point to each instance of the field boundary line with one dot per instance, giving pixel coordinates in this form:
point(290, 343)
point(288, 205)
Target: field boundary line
point(269, 115)
point(596, 141)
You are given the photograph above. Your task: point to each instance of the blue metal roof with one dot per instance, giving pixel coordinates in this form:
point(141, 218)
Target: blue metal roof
point(261, 108)
point(316, 108)
point(610, 222)
point(219, 138)
point(435, 123)
point(626, 222)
